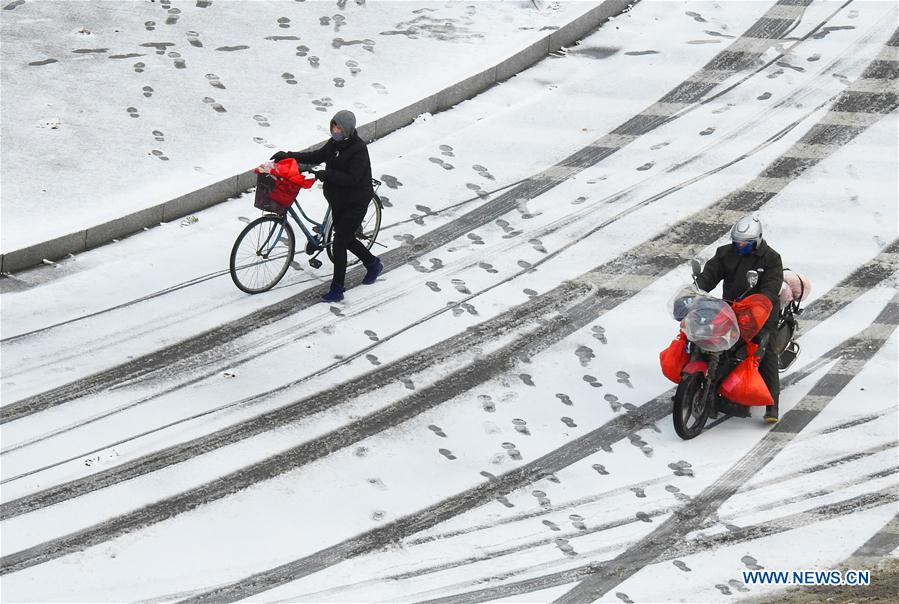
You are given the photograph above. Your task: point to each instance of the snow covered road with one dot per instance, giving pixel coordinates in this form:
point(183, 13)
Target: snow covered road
point(460, 431)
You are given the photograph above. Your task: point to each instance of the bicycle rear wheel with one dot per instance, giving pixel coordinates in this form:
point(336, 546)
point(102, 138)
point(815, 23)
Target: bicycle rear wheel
point(261, 254)
point(367, 232)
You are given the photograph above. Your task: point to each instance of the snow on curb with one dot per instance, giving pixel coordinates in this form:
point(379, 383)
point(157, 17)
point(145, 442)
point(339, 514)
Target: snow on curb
point(233, 186)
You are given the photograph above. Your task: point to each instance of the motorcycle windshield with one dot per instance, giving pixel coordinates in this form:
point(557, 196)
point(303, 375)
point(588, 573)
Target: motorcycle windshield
point(680, 303)
point(712, 325)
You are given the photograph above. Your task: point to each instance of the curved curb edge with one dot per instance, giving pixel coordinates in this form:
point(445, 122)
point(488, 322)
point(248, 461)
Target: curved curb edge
point(233, 186)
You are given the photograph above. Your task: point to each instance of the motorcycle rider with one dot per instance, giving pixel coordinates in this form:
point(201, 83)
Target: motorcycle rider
point(749, 251)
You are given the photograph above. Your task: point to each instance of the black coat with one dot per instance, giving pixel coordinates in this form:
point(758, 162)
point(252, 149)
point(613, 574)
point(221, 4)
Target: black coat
point(731, 267)
point(347, 173)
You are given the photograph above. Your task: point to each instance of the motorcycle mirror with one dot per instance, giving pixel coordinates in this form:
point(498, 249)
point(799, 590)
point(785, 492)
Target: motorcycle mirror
point(696, 266)
point(753, 278)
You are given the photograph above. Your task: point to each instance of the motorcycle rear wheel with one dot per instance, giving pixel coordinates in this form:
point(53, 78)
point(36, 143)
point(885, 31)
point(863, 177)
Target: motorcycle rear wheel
point(689, 413)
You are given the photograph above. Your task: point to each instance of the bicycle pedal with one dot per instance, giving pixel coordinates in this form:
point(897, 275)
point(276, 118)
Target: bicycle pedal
point(315, 263)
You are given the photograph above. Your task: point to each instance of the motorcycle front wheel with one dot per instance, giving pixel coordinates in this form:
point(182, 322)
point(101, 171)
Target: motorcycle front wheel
point(690, 413)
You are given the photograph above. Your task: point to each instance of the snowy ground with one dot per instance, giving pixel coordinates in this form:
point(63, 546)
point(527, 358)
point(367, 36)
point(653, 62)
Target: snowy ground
point(488, 422)
point(135, 102)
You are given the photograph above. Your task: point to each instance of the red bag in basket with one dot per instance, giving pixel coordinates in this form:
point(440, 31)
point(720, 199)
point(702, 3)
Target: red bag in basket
point(289, 182)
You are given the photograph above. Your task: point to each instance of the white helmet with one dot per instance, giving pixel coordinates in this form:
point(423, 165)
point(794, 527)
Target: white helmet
point(747, 228)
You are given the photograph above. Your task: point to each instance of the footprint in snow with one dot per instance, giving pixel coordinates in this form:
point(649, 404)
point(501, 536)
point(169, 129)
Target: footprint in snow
point(529, 293)
point(724, 589)
point(177, 60)
point(682, 468)
point(483, 172)
point(601, 469)
point(569, 422)
point(391, 181)
point(511, 451)
point(215, 81)
point(599, 332)
point(216, 106)
point(469, 308)
point(542, 499)
point(371, 335)
point(159, 154)
point(592, 381)
point(132, 111)
point(147, 91)
point(487, 267)
point(432, 286)
point(172, 18)
point(505, 501)
point(577, 522)
point(639, 492)
point(446, 150)
point(377, 483)
point(373, 359)
point(737, 585)
point(764, 96)
point(565, 547)
point(409, 384)
point(537, 245)
point(437, 430)
point(681, 565)
point(283, 22)
point(335, 310)
point(441, 163)
point(707, 131)
point(289, 77)
point(150, 25)
point(158, 136)
point(487, 403)
point(751, 563)
point(447, 453)
point(643, 517)
point(579, 201)
point(566, 400)
point(551, 525)
point(475, 238)
point(624, 378)
point(527, 266)
point(460, 286)
point(658, 146)
point(613, 402)
point(193, 38)
point(584, 355)
point(646, 166)
point(623, 597)
point(527, 379)
point(521, 426)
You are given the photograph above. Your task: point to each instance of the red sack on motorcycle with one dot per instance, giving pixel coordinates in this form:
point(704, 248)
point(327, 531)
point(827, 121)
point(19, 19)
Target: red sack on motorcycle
point(744, 385)
point(752, 312)
point(674, 358)
point(289, 181)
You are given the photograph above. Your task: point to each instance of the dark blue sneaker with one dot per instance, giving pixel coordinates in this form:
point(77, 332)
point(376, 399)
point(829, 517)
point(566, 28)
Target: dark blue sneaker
point(335, 294)
point(374, 270)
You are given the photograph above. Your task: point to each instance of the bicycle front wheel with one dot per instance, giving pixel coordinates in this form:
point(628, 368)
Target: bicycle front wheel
point(261, 254)
point(367, 232)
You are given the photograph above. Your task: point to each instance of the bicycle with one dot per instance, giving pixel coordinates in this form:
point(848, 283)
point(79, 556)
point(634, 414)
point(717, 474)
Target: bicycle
point(266, 247)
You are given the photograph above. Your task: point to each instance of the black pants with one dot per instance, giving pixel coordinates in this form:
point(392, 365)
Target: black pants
point(768, 369)
point(346, 222)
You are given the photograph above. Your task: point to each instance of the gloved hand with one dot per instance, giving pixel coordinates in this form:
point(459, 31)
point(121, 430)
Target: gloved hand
point(319, 175)
point(280, 155)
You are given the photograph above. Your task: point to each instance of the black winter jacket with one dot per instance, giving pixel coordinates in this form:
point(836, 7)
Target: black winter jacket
point(347, 174)
point(726, 264)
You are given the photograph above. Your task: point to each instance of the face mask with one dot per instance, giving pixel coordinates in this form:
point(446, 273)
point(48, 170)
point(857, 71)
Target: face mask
point(744, 248)
point(337, 136)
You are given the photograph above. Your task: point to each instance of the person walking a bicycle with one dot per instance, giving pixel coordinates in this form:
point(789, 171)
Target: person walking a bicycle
point(749, 251)
point(348, 190)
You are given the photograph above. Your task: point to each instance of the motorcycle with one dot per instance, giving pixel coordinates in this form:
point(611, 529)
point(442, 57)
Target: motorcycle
point(719, 361)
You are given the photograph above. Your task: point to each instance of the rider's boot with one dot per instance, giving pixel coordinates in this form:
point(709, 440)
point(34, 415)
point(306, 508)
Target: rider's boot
point(771, 414)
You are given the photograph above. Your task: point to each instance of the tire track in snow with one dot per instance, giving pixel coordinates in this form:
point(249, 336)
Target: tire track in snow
point(608, 434)
point(768, 528)
point(762, 36)
point(568, 535)
point(669, 533)
point(541, 232)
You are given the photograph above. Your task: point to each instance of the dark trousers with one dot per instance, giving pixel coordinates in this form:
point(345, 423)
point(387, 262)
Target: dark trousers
point(346, 222)
point(768, 370)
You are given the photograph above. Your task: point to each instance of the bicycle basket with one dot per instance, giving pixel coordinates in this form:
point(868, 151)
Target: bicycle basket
point(265, 187)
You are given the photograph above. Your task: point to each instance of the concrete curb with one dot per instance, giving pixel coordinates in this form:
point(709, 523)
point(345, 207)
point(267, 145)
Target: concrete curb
point(234, 186)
